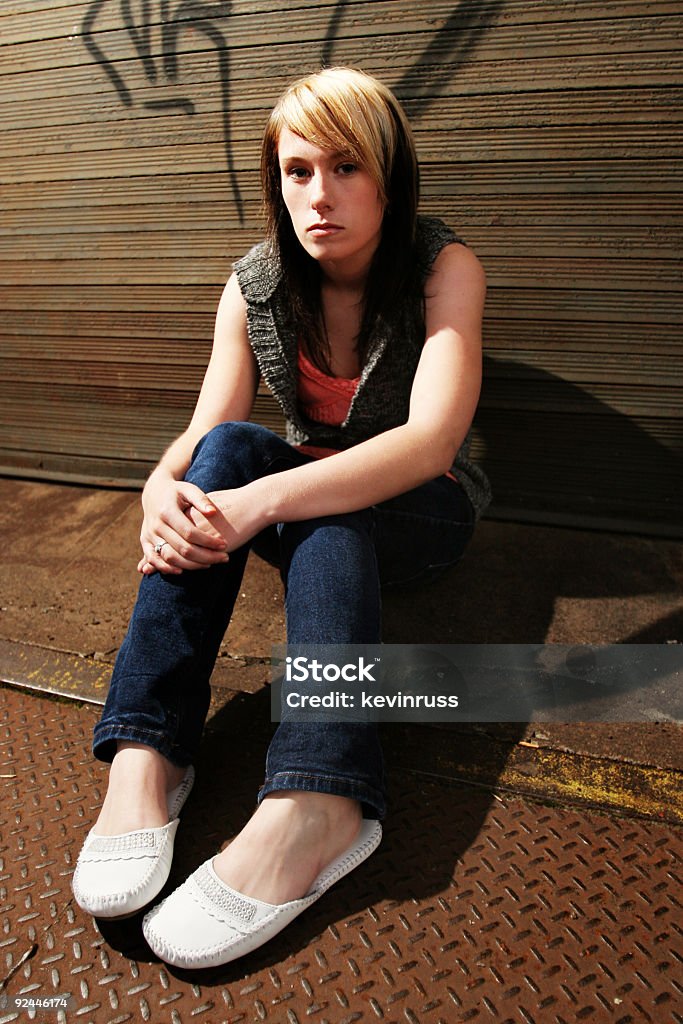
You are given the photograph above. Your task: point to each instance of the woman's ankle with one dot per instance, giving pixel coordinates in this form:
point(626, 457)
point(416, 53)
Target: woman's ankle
point(139, 780)
point(292, 836)
point(148, 762)
point(306, 804)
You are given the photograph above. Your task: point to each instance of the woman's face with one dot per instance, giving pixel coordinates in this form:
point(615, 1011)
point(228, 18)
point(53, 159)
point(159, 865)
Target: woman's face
point(335, 205)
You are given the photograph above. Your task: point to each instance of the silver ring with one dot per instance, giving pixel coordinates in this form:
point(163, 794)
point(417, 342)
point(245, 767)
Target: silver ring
point(159, 546)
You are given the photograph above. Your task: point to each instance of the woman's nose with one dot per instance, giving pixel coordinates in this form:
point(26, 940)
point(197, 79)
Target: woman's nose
point(321, 197)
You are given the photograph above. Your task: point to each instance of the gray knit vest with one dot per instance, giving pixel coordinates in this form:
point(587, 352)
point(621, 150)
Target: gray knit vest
point(383, 395)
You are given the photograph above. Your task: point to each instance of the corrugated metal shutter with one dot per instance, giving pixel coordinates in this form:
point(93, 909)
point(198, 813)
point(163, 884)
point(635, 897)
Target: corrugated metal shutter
point(550, 137)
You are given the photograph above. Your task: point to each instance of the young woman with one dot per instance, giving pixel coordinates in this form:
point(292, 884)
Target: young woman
point(365, 321)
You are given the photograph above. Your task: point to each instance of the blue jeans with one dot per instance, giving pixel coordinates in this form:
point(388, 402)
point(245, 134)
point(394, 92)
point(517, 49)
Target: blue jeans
point(332, 569)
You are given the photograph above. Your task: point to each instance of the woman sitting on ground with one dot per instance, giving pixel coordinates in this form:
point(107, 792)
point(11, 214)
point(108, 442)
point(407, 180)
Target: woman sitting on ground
point(364, 319)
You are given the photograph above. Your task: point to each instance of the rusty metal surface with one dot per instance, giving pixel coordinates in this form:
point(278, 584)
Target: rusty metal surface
point(499, 756)
point(475, 908)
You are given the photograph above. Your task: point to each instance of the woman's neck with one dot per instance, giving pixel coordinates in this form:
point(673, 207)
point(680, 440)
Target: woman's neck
point(349, 274)
point(348, 292)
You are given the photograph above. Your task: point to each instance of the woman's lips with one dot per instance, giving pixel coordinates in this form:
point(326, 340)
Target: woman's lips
point(322, 230)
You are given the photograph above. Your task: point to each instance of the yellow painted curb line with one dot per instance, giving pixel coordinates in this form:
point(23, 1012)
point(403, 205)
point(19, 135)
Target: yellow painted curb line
point(53, 672)
point(632, 788)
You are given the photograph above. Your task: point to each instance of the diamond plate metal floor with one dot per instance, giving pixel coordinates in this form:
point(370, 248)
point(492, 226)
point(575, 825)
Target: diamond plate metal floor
point(475, 908)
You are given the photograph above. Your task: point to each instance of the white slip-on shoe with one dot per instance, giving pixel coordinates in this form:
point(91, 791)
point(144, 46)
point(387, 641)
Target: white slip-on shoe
point(116, 876)
point(205, 923)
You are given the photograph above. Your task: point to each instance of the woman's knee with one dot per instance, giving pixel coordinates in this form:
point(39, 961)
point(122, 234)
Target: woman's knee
point(230, 437)
point(231, 454)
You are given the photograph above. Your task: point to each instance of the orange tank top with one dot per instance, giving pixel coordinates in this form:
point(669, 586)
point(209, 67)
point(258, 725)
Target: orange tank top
point(322, 398)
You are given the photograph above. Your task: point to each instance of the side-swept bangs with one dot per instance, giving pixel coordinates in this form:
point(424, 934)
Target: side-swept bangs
point(349, 112)
point(344, 111)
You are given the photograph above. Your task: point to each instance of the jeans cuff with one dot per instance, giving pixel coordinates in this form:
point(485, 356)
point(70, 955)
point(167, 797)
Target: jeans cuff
point(106, 737)
point(372, 800)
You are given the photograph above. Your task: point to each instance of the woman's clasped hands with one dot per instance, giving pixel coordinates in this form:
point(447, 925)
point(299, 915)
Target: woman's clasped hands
point(185, 529)
point(170, 541)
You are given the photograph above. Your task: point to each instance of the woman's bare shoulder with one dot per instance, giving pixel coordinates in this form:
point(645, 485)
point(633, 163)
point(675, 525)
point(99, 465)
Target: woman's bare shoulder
point(457, 259)
point(457, 282)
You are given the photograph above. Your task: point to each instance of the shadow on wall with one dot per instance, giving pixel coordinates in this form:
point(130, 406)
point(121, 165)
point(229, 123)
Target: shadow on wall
point(551, 450)
point(552, 447)
point(440, 59)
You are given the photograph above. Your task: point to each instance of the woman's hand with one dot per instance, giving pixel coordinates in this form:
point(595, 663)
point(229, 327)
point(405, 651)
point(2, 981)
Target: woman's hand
point(238, 514)
point(169, 538)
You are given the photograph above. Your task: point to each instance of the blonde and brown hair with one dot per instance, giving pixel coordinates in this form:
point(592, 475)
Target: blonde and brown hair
point(350, 112)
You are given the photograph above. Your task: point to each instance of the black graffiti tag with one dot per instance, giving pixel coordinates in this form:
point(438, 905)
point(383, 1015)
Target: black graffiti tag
point(195, 14)
point(419, 86)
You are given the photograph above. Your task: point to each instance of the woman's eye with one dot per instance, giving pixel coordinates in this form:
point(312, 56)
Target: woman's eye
point(347, 168)
point(297, 172)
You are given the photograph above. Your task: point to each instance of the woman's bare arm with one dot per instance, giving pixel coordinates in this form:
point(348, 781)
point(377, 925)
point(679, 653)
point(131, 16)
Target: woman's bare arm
point(227, 393)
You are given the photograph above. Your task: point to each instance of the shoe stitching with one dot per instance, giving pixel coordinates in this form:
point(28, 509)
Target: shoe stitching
point(185, 953)
point(354, 857)
point(85, 896)
point(131, 888)
point(224, 897)
point(144, 843)
point(150, 844)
